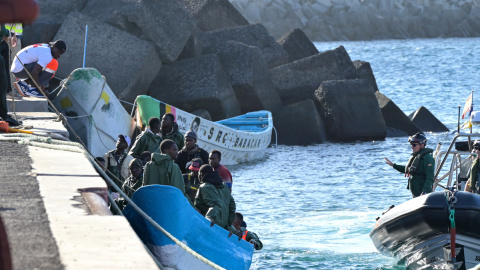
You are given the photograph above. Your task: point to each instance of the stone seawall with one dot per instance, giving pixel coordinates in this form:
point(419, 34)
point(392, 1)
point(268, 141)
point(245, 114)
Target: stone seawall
point(325, 20)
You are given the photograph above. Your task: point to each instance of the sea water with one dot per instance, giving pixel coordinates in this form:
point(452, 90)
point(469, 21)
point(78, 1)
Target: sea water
point(314, 206)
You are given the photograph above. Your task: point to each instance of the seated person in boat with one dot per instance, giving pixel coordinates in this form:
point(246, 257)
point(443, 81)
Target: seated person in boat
point(213, 199)
point(420, 166)
point(169, 130)
point(191, 179)
point(190, 151)
point(145, 157)
point(214, 159)
point(134, 181)
point(246, 235)
point(40, 60)
point(473, 185)
point(149, 140)
point(114, 159)
point(161, 170)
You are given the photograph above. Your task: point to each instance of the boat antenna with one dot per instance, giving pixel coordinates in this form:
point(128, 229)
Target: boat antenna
point(85, 47)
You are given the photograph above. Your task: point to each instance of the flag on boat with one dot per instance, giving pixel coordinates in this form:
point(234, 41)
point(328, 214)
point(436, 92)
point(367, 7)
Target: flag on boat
point(468, 107)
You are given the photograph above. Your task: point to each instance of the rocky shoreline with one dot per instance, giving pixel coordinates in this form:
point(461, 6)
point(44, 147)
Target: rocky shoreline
point(204, 56)
point(325, 20)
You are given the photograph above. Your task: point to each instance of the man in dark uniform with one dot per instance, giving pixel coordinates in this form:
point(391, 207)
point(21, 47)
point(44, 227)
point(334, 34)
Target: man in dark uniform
point(4, 34)
point(473, 185)
point(420, 167)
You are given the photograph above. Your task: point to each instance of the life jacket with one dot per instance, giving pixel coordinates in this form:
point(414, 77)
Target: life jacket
point(244, 236)
point(52, 67)
point(15, 28)
point(414, 161)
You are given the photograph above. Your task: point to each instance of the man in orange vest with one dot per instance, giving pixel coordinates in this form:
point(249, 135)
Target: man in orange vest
point(40, 60)
point(248, 236)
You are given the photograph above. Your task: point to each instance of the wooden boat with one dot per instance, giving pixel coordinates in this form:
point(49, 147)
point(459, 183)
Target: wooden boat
point(169, 208)
point(439, 230)
point(239, 139)
point(93, 110)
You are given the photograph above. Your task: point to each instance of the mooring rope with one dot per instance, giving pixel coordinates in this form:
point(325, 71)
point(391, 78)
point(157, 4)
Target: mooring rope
point(60, 145)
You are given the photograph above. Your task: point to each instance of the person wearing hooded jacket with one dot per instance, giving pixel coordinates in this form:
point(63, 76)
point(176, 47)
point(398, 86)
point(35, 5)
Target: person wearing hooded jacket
point(149, 140)
point(190, 151)
point(420, 167)
point(213, 199)
point(169, 130)
point(161, 170)
point(473, 183)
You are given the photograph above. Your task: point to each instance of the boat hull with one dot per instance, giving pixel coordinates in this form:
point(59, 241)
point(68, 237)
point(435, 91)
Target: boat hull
point(93, 111)
point(169, 208)
point(246, 143)
point(417, 232)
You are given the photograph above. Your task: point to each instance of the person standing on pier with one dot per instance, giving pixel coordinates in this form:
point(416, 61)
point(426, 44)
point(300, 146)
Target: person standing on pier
point(4, 34)
point(420, 167)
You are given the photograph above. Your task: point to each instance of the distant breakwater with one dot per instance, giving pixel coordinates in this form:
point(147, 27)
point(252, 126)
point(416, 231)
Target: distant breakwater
point(326, 20)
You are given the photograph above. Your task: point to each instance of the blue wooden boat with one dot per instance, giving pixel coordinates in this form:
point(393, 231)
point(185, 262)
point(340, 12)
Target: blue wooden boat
point(169, 208)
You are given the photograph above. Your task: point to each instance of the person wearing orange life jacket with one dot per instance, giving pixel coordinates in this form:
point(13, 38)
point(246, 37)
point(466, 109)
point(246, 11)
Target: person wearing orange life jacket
point(248, 236)
point(40, 60)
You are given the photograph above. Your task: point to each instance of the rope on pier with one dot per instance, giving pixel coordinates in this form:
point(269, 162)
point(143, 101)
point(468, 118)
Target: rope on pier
point(33, 140)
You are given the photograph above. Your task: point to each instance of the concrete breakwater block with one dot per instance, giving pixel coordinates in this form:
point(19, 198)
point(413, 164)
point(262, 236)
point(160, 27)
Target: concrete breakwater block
point(214, 14)
point(297, 45)
point(395, 118)
point(426, 121)
point(28, 104)
point(350, 111)
point(253, 35)
point(166, 23)
point(364, 71)
point(128, 63)
point(247, 72)
point(40, 31)
point(194, 84)
point(298, 80)
point(203, 114)
point(299, 124)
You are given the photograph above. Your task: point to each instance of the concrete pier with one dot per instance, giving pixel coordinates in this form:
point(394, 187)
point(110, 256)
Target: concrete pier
point(51, 220)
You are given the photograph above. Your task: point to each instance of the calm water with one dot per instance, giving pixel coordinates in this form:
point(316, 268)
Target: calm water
point(313, 207)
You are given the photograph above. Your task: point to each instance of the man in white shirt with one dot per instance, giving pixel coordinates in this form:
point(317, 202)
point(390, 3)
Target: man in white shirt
point(40, 60)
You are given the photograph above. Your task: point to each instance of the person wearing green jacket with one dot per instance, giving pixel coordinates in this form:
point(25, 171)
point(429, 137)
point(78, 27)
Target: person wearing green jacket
point(473, 183)
point(170, 131)
point(420, 167)
point(115, 158)
point(149, 140)
point(161, 170)
point(213, 199)
point(245, 234)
